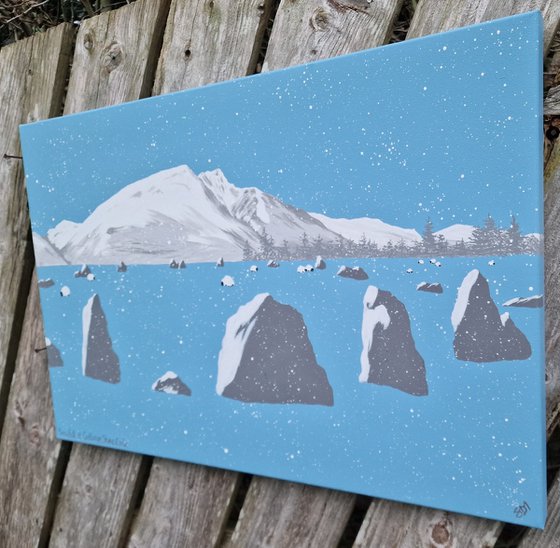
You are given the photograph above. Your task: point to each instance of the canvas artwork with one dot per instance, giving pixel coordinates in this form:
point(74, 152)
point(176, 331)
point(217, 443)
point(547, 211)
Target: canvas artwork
point(331, 274)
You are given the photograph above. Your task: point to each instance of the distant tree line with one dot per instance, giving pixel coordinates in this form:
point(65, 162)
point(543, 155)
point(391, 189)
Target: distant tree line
point(487, 239)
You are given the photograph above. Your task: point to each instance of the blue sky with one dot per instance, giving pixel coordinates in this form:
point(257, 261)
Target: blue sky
point(447, 127)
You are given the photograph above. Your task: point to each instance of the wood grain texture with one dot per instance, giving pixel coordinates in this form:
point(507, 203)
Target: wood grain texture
point(549, 537)
point(284, 514)
point(114, 61)
point(33, 76)
point(552, 285)
point(433, 16)
point(210, 41)
point(309, 30)
point(552, 102)
point(390, 523)
point(185, 504)
point(115, 56)
point(97, 498)
point(31, 458)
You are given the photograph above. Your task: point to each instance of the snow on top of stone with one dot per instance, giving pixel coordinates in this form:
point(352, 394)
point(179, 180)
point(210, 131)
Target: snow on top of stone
point(238, 329)
point(463, 295)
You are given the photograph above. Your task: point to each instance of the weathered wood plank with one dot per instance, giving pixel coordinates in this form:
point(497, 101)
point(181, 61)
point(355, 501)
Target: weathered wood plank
point(552, 102)
point(33, 76)
point(210, 41)
point(97, 498)
point(552, 287)
point(408, 525)
point(115, 57)
point(185, 504)
point(31, 458)
point(284, 514)
point(549, 537)
point(114, 62)
point(433, 16)
point(390, 523)
point(309, 30)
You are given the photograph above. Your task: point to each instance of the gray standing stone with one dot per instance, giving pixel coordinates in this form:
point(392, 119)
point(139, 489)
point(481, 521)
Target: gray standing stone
point(83, 272)
point(389, 355)
point(122, 267)
point(173, 264)
point(481, 334)
point(54, 358)
point(99, 361)
point(354, 273)
point(171, 383)
point(429, 288)
point(220, 262)
point(267, 357)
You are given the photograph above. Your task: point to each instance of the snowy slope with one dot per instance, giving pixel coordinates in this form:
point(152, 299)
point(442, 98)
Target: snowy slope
point(374, 229)
point(456, 233)
point(176, 214)
point(45, 253)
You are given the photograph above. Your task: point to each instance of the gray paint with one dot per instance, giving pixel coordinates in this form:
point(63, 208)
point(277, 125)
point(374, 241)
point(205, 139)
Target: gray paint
point(536, 301)
point(430, 288)
point(278, 364)
point(392, 355)
point(175, 384)
point(99, 361)
point(481, 336)
point(320, 263)
point(355, 273)
point(54, 358)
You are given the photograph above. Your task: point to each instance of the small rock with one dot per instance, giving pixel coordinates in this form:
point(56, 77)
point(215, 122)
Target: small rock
point(420, 261)
point(122, 267)
point(49, 282)
point(429, 288)
point(171, 383)
point(90, 277)
point(182, 264)
point(220, 262)
point(536, 301)
point(492, 263)
point(83, 272)
point(320, 264)
point(228, 281)
point(64, 291)
point(272, 264)
point(253, 268)
point(355, 273)
point(409, 271)
point(173, 264)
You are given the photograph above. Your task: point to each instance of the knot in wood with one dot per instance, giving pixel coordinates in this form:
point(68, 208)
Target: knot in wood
point(88, 41)
point(112, 57)
point(441, 535)
point(319, 19)
point(35, 435)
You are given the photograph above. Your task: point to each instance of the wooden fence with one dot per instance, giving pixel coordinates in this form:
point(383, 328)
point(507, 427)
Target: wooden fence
point(71, 495)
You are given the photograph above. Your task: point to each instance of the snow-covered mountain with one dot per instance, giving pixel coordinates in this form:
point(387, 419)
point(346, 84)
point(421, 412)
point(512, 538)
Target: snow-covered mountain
point(374, 229)
point(455, 233)
point(178, 214)
point(45, 252)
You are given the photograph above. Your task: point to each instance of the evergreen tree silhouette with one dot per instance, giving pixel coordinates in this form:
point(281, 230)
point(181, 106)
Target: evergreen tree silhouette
point(428, 237)
point(514, 237)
